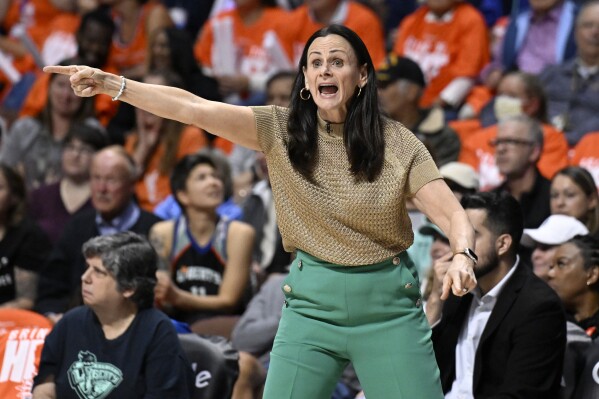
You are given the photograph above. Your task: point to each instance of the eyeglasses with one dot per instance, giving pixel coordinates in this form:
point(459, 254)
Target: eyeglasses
point(509, 142)
point(80, 149)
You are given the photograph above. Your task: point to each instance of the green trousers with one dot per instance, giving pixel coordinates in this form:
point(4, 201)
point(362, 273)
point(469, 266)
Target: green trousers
point(370, 315)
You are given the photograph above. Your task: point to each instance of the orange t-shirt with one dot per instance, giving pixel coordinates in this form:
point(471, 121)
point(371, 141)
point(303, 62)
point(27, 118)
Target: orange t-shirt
point(37, 98)
point(251, 55)
point(444, 50)
point(22, 335)
point(37, 15)
point(358, 18)
point(477, 152)
point(586, 155)
point(153, 187)
point(128, 55)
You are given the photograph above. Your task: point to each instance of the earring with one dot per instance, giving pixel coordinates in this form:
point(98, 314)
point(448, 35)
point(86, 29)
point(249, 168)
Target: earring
point(359, 91)
point(302, 94)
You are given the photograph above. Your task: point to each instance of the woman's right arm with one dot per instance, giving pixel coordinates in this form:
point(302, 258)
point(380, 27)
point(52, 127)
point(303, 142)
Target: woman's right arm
point(232, 122)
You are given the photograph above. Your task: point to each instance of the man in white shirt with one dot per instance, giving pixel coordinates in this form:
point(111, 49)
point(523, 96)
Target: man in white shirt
point(507, 337)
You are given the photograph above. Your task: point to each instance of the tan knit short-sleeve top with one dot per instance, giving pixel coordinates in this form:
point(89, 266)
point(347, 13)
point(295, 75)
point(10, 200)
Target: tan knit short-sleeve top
point(338, 219)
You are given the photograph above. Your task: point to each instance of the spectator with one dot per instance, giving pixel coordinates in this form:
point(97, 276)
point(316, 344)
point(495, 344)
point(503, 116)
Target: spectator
point(242, 47)
point(545, 239)
point(135, 21)
point(574, 275)
point(206, 259)
point(157, 144)
point(572, 87)
point(518, 146)
point(449, 40)
point(507, 338)
point(536, 37)
point(518, 94)
point(401, 84)
point(23, 245)
point(586, 156)
point(34, 144)
point(313, 15)
point(172, 49)
point(243, 160)
point(170, 209)
point(91, 44)
point(112, 175)
point(25, 26)
point(52, 205)
point(116, 345)
point(573, 193)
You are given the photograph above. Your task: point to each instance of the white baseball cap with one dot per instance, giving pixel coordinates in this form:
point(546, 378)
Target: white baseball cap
point(460, 173)
point(555, 230)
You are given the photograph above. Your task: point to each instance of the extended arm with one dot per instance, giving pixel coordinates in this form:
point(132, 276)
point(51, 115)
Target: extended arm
point(438, 203)
point(234, 123)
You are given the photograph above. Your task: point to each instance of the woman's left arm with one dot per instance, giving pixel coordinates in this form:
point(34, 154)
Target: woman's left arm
point(438, 203)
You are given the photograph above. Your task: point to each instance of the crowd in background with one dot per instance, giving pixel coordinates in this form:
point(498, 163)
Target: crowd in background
point(504, 94)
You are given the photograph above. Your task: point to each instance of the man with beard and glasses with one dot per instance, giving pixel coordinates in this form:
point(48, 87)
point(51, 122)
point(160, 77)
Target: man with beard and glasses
point(507, 337)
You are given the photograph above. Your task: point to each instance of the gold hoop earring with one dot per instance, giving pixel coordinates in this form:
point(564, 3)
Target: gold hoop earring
point(302, 94)
point(359, 91)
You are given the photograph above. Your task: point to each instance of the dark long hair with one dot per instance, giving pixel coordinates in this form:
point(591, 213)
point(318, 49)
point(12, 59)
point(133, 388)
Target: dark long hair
point(18, 195)
point(183, 62)
point(362, 134)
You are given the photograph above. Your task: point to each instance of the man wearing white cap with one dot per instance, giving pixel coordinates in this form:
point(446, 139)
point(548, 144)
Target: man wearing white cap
point(554, 231)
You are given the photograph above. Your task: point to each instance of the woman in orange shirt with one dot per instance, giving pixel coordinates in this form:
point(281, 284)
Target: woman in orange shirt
point(135, 21)
point(157, 144)
point(243, 47)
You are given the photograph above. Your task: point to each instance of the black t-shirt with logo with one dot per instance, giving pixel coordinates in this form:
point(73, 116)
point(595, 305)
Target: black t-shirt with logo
point(146, 361)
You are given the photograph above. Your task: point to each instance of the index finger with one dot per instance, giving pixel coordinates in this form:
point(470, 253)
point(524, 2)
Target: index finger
point(61, 69)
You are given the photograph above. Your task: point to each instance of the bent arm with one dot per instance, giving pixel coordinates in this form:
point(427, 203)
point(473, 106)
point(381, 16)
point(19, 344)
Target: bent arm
point(232, 122)
point(438, 203)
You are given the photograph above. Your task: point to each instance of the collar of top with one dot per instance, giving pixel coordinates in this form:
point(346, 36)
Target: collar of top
point(330, 129)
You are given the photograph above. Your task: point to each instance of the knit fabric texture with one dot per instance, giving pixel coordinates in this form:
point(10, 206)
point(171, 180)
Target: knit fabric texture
point(336, 218)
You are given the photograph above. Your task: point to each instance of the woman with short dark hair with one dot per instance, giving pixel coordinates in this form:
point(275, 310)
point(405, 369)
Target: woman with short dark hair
point(116, 345)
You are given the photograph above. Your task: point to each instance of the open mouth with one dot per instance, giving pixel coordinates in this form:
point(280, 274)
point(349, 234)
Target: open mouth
point(327, 89)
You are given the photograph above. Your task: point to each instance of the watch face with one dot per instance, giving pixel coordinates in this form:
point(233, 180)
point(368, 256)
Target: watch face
point(470, 253)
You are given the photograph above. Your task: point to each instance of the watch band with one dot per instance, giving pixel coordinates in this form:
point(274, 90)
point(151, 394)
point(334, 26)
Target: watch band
point(468, 253)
